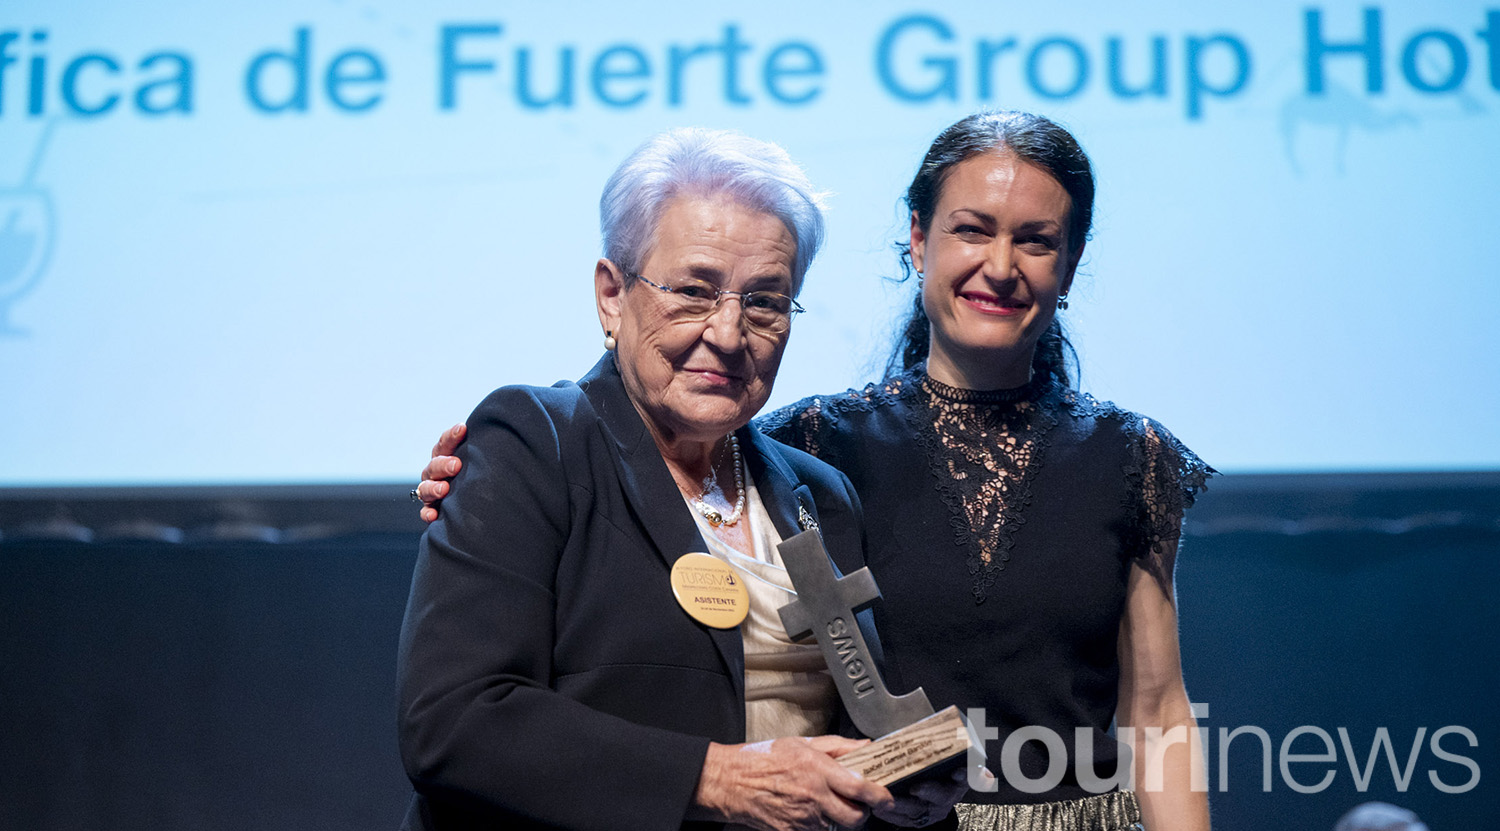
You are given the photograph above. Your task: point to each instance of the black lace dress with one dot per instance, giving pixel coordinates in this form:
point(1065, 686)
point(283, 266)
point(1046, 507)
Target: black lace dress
point(1002, 527)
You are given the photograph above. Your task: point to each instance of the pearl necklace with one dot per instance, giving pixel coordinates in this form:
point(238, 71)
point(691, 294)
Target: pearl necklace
point(711, 513)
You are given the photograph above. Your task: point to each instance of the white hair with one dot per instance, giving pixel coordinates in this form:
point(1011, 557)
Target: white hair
point(693, 161)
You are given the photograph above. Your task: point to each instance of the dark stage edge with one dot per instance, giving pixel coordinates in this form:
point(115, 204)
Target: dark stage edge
point(1273, 504)
point(223, 657)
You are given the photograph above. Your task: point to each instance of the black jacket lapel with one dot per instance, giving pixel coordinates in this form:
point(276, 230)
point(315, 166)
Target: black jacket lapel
point(652, 493)
point(781, 491)
point(648, 485)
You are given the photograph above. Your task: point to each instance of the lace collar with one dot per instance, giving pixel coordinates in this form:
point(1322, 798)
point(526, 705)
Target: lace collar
point(1028, 391)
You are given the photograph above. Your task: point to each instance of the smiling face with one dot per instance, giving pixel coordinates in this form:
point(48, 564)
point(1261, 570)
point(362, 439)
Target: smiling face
point(994, 260)
point(698, 380)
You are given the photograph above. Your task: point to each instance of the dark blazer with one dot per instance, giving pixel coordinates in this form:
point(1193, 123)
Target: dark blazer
point(547, 676)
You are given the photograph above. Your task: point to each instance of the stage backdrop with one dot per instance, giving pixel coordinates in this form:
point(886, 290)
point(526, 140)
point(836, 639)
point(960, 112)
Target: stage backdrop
point(245, 242)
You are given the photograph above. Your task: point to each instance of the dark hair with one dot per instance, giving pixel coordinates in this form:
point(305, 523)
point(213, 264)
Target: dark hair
point(1034, 139)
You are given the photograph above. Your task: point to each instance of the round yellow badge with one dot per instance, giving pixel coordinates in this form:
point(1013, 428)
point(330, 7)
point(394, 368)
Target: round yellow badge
point(712, 592)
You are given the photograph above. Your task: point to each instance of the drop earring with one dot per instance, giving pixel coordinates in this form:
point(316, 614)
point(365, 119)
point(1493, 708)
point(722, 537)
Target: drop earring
point(609, 340)
point(1062, 302)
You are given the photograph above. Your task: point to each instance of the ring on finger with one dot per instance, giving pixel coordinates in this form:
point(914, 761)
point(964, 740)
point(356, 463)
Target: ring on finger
point(416, 495)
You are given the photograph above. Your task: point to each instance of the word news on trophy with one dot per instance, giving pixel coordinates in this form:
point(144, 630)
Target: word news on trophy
point(911, 742)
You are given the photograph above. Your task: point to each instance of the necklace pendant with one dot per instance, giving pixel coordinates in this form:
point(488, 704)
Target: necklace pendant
point(713, 515)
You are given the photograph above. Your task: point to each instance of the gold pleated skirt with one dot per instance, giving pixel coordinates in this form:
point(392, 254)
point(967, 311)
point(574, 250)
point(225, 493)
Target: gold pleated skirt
point(1114, 811)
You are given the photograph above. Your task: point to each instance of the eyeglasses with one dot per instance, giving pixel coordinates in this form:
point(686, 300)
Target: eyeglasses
point(769, 312)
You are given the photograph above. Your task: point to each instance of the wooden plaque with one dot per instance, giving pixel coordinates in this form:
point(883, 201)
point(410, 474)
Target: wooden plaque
point(936, 744)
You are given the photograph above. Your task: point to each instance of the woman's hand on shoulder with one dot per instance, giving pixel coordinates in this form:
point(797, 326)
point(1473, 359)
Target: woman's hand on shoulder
point(440, 468)
point(791, 783)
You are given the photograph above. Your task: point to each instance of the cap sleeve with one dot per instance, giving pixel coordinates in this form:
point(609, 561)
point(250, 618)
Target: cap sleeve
point(1166, 478)
point(799, 425)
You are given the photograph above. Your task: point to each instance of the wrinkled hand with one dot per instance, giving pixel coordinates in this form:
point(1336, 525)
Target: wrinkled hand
point(440, 468)
point(790, 784)
point(930, 800)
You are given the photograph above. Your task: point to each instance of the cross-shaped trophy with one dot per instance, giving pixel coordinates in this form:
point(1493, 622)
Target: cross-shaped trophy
point(910, 740)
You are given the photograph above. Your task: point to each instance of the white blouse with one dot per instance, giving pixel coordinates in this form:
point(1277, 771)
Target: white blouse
point(788, 691)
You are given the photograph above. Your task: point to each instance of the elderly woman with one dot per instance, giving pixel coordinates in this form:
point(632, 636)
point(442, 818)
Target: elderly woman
point(548, 675)
point(1024, 534)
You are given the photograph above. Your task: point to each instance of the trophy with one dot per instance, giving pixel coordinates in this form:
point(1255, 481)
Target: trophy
point(910, 741)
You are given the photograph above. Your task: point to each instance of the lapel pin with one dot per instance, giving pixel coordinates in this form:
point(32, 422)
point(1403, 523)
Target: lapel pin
point(804, 518)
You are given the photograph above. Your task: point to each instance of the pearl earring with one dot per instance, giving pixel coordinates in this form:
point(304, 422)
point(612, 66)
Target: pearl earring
point(609, 340)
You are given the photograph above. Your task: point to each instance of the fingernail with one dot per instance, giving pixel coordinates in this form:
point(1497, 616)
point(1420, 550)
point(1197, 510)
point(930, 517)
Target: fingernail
point(453, 467)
